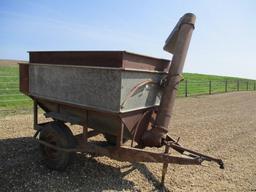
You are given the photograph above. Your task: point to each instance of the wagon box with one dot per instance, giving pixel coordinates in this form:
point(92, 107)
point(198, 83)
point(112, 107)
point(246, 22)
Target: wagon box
point(90, 82)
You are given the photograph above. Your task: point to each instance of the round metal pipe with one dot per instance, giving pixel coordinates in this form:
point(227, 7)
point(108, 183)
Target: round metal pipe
point(181, 37)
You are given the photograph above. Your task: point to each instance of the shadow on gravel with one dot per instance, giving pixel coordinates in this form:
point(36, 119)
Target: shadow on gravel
point(22, 169)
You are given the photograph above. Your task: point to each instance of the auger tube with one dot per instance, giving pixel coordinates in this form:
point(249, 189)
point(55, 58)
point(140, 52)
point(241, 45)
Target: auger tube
point(177, 44)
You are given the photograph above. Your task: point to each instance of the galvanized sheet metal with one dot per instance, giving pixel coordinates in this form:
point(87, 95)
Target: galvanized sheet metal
point(94, 87)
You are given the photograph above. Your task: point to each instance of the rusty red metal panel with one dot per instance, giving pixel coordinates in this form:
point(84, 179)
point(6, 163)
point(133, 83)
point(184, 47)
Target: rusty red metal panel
point(24, 78)
point(87, 58)
point(135, 61)
point(116, 59)
point(137, 122)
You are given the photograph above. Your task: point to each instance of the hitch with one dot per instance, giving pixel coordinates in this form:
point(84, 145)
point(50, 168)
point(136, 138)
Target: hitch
point(170, 142)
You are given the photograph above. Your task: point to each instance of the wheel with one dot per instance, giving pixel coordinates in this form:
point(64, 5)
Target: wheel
point(57, 133)
point(111, 139)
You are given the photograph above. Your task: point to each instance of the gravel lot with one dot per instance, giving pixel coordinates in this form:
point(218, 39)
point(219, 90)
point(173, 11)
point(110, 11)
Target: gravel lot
point(221, 125)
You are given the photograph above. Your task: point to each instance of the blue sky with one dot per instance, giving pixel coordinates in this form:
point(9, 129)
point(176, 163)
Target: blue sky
point(223, 43)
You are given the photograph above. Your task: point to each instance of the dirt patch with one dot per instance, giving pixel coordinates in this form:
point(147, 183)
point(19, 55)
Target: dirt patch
point(221, 125)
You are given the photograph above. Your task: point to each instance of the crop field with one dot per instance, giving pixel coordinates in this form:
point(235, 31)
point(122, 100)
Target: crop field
point(221, 125)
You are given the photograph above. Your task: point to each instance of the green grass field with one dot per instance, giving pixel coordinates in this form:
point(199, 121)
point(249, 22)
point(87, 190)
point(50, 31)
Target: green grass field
point(10, 96)
point(12, 99)
point(198, 84)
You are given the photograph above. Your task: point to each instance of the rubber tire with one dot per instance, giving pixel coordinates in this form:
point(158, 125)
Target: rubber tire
point(59, 134)
point(111, 139)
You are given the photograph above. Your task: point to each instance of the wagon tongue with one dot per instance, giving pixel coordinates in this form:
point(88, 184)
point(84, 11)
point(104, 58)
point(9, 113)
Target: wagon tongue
point(169, 142)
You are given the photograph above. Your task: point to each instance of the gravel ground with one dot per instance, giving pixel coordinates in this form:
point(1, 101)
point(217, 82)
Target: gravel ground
point(221, 125)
